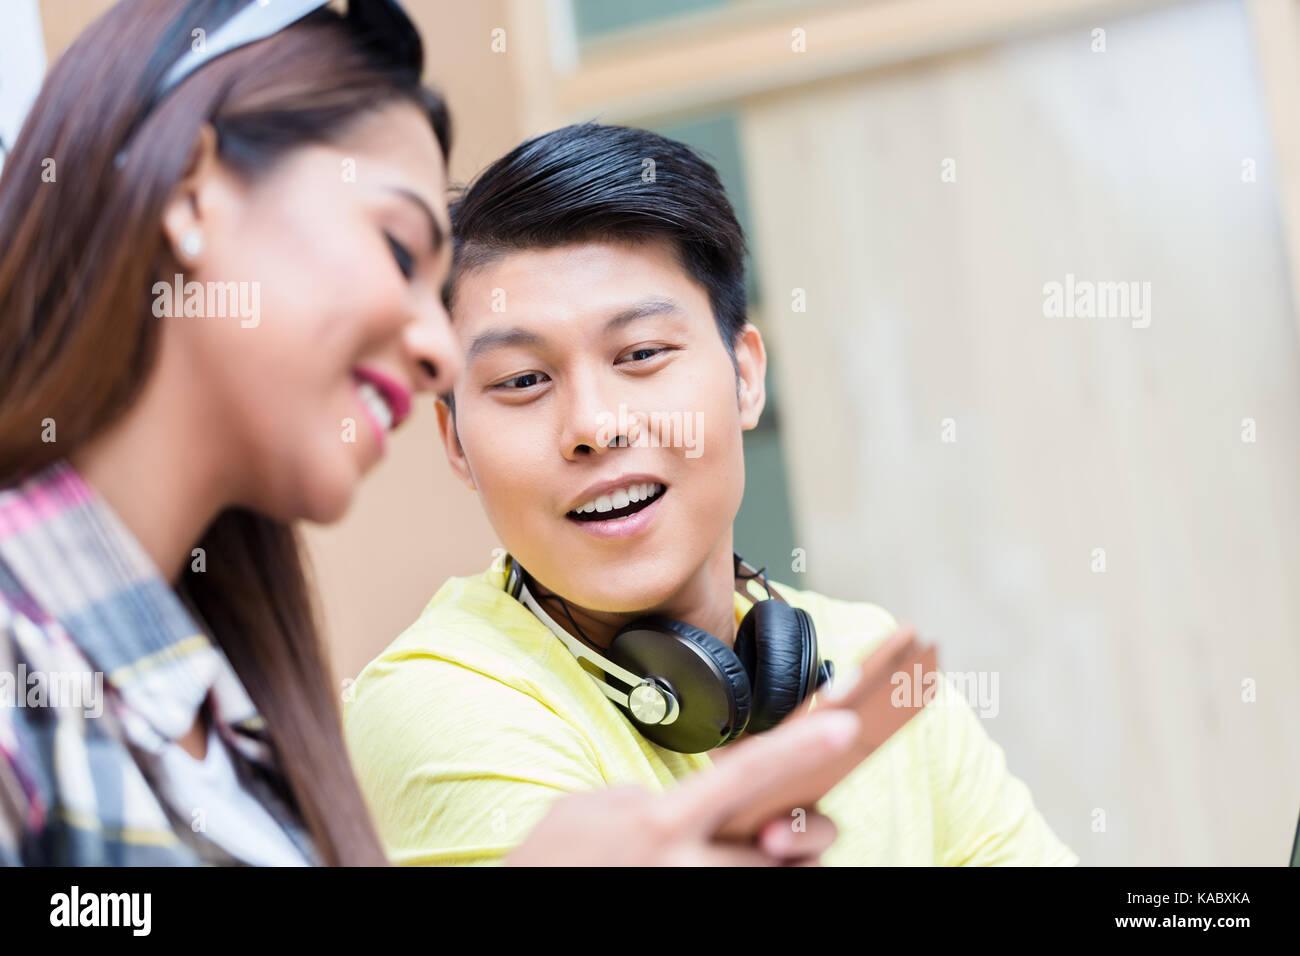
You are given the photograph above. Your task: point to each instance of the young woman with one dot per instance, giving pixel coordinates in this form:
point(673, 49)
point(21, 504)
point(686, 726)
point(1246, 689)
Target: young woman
point(223, 236)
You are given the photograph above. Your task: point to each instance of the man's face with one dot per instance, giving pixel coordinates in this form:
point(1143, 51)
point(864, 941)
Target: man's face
point(566, 350)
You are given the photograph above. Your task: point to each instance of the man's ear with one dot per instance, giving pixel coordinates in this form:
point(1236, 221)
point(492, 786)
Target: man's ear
point(451, 442)
point(751, 364)
point(189, 208)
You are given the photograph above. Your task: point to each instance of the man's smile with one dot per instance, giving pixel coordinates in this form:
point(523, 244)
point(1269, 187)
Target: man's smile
point(618, 508)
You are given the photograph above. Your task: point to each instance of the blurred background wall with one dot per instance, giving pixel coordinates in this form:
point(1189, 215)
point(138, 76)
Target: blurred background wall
point(1100, 512)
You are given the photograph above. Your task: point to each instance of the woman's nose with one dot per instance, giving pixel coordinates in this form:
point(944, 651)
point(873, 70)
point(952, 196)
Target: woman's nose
point(433, 348)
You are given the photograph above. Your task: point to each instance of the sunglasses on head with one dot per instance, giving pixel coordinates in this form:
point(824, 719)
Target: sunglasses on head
point(382, 25)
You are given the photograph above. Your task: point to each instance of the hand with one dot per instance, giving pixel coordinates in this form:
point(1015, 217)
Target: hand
point(629, 826)
point(871, 694)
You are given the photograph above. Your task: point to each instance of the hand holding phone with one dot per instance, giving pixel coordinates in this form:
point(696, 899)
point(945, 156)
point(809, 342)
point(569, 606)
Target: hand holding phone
point(881, 692)
point(630, 826)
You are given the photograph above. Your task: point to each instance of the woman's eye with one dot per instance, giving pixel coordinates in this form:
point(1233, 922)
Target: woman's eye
point(640, 355)
point(405, 261)
point(527, 380)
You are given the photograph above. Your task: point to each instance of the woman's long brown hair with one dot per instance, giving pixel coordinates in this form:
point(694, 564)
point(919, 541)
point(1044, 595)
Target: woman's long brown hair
point(81, 244)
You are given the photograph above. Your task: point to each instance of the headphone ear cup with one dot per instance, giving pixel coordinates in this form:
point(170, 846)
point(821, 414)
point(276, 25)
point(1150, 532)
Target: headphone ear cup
point(777, 645)
point(711, 685)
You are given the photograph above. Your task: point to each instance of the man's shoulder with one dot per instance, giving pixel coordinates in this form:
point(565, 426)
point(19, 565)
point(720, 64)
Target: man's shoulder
point(472, 640)
point(469, 619)
point(472, 674)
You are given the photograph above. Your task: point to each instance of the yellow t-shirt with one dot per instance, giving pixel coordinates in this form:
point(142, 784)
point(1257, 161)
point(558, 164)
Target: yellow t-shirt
point(473, 721)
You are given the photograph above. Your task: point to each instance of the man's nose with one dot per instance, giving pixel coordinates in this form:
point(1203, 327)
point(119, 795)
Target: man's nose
point(594, 419)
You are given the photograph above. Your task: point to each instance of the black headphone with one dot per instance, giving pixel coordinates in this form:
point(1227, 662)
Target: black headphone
point(697, 693)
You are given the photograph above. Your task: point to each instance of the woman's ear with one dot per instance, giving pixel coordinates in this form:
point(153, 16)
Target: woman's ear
point(751, 364)
point(187, 216)
point(451, 442)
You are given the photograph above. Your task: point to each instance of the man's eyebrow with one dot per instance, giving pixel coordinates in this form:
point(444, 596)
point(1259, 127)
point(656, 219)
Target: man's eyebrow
point(498, 339)
point(641, 310)
point(437, 234)
point(503, 338)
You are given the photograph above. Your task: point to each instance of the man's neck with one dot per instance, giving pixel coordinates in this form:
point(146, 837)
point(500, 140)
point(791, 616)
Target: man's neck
point(706, 600)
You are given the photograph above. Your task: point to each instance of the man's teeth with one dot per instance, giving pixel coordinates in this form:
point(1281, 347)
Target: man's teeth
point(376, 405)
point(621, 498)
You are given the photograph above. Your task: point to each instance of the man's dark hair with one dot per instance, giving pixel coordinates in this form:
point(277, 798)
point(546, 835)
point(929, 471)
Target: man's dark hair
point(594, 182)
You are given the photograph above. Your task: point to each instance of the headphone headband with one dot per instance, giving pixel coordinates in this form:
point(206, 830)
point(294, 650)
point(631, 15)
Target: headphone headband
point(745, 573)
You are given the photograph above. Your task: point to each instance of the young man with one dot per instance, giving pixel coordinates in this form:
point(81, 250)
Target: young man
point(598, 292)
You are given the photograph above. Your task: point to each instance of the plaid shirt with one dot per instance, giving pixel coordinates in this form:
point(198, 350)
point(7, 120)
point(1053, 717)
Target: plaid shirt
point(101, 667)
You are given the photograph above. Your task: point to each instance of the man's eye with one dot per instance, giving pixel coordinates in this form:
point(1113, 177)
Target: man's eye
point(405, 261)
point(640, 355)
point(527, 380)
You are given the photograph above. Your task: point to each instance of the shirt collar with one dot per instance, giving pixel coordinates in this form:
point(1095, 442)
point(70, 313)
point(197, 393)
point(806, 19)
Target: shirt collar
point(81, 566)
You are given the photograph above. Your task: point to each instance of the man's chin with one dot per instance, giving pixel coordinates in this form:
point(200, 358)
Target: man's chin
point(626, 592)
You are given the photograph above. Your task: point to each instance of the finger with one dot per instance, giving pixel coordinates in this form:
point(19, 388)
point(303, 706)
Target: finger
point(897, 649)
point(876, 666)
point(798, 837)
point(891, 655)
point(729, 854)
point(769, 761)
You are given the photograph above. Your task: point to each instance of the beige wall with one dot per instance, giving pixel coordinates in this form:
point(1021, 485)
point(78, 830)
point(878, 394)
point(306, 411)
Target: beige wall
point(1121, 685)
point(63, 20)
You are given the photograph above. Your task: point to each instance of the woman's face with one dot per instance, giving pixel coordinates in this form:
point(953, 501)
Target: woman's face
point(318, 288)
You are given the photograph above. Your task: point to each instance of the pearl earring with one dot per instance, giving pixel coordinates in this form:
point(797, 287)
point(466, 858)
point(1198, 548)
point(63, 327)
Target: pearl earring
point(192, 243)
